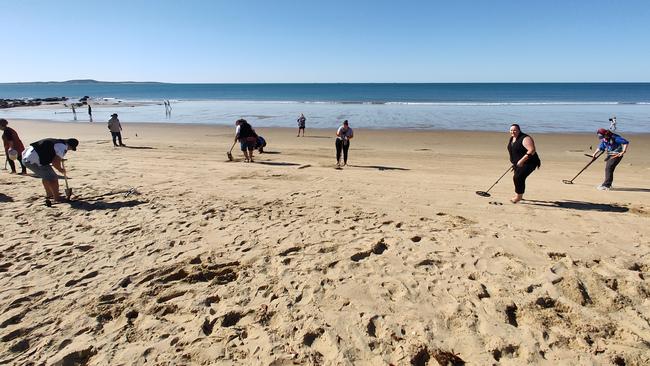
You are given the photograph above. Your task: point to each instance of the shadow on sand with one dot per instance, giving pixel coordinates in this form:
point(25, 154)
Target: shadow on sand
point(378, 167)
point(277, 163)
point(100, 205)
point(139, 147)
point(626, 189)
point(578, 205)
point(318, 137)
point(270, 152)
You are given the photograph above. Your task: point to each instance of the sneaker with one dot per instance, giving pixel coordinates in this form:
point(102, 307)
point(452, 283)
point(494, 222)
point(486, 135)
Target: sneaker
point(603, 188)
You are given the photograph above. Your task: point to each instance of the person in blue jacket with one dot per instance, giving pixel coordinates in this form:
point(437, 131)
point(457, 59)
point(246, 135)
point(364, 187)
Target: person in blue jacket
point(615, 147)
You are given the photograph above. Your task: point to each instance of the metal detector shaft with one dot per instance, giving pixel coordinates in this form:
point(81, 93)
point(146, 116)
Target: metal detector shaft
point(586, 166)
point(503, 175)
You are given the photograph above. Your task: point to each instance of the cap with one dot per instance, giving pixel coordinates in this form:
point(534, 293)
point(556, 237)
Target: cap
point(73, 143)
point(114, 115)
point(602, 131)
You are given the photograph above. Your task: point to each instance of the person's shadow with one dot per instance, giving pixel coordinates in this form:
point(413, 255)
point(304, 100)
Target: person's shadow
point(101, 205)
point(578, 205)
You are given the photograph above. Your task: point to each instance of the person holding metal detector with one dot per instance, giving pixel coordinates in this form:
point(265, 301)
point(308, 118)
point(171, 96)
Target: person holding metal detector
point(524, 159)
point(615, 147)
point(41, 156)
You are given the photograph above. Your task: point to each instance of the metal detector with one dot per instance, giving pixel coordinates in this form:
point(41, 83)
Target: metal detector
point(593, 158)
point(486, 193)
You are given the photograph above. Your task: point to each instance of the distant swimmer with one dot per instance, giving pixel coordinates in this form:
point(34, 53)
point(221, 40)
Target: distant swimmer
point(524, 159)
point(615, 146)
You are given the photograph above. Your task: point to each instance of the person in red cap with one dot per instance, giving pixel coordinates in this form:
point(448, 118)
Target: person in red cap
point(615, 147)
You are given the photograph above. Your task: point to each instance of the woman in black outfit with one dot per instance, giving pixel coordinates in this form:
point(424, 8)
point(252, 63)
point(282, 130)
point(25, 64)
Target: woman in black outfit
point(524, 159)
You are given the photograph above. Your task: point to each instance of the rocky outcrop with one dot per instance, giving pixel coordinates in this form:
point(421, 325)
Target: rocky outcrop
point(11, 103)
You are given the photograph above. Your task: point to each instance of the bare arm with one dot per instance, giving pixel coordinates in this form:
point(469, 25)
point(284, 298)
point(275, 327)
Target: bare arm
point(529, 144)
point(56, 163)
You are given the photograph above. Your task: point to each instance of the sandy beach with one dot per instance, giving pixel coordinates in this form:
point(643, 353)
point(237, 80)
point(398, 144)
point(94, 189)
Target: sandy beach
point(170, 254)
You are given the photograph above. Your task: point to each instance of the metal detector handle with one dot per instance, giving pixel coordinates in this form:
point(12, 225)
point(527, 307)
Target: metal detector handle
point(233, 146)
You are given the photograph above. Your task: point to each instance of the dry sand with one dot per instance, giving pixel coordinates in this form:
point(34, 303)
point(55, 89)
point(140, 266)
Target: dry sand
point(392, 260)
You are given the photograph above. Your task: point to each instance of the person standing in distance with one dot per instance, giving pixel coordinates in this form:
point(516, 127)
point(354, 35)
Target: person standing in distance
point(343, 136)
point(615, 146)
point(524, 159)
point(301, 124)
point(116, 130)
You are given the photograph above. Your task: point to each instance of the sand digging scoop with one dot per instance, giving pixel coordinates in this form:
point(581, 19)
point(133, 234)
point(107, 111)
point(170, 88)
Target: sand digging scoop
point(229, 153)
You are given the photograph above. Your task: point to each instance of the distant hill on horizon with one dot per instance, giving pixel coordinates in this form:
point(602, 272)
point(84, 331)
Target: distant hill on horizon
point(86, 81)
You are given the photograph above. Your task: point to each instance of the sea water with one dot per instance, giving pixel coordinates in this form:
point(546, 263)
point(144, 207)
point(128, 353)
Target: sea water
point(537, 107)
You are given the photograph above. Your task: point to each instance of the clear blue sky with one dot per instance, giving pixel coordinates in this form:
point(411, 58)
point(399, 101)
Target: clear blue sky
point(326, 41)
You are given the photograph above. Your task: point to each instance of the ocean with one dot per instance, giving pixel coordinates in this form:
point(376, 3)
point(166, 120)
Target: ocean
point(537, 107)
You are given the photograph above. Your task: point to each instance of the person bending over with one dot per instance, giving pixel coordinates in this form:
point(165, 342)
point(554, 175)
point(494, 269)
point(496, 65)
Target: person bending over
point(615, 146)
point(44, 154)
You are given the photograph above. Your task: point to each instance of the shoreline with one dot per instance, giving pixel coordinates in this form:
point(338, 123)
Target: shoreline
point(320, 129)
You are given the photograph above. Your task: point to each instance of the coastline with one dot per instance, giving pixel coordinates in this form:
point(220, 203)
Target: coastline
point(291, 260)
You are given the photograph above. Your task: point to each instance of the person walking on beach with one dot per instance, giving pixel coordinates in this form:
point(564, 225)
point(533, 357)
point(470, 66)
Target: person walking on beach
point(301, 124)
point(13, 146)
point(615, 147)
point(343, 136)
point(90, 113)
point(524, 159)
point(116, 130)
point(245, 134)
point(42, 155)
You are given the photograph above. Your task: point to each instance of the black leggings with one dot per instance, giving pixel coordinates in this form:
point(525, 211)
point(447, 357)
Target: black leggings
point(13, 165)
point(117, 135)
point(609, 171)
point(520, 177)
point(341, 146)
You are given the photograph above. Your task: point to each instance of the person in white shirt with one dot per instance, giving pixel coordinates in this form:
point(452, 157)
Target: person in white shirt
point(42, 155)
point(343, 136)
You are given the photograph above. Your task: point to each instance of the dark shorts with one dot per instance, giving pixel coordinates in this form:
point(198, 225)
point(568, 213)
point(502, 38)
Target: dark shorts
point(43, 172)
point(248, 143)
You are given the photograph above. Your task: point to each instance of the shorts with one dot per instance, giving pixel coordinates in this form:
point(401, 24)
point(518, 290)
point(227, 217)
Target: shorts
point(248, 143)
point(43, 172)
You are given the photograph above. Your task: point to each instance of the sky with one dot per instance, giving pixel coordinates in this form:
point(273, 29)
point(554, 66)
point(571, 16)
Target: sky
point(269, 41)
